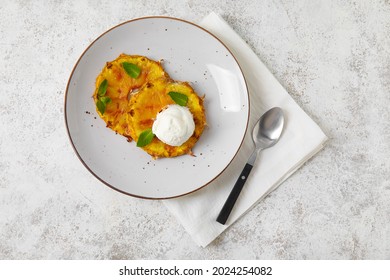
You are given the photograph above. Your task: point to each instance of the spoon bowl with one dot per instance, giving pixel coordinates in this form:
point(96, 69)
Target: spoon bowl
point(268, 128)
point(267, 131)
point(265, 134)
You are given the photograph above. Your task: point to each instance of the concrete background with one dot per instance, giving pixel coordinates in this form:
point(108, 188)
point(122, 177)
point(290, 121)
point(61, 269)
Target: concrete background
point(333, 57)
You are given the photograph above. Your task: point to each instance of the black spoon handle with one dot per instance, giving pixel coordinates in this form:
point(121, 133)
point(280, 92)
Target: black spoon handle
point(231, 200)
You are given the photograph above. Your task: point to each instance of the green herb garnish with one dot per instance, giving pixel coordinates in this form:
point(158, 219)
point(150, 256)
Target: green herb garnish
point(101, 106)
point(102, 88)
point(105, 99)
point(101, 103)
point(179, 98)
point(131, 69)
point(145, 138)
point(102, 99)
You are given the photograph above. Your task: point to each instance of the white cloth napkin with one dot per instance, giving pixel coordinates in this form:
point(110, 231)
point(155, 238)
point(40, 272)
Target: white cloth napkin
point(300, 140)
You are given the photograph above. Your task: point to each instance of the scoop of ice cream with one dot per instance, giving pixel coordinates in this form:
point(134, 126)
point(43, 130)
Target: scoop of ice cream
point(174, 125)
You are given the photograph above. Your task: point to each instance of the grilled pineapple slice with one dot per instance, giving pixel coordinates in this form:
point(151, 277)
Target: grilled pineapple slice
point(120, 85)
point(149, 101)
point(131, 90)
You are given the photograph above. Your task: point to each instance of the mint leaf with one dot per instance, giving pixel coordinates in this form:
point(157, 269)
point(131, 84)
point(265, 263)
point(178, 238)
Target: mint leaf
point(101, 106)
point(145, 138)
point(101, 103)
point(131, 69)
point(105, 100)
point(179, 98)
point(102, 88)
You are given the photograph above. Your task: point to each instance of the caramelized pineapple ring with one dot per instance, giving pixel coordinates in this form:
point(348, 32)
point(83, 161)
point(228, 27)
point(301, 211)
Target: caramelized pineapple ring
point(149, 101)
point(121, 85)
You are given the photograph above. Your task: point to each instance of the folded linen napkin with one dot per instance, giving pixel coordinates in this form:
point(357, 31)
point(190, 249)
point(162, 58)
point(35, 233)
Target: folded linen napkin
point(300, 140)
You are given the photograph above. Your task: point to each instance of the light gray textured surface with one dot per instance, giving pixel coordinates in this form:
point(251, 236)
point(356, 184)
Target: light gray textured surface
point(332, 56)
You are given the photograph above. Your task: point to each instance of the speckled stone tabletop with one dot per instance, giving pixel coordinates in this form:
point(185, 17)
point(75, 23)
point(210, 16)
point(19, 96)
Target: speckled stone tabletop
point(333, 57)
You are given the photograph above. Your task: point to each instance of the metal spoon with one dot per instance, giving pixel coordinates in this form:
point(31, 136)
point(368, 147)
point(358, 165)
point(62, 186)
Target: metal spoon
point(265, 134)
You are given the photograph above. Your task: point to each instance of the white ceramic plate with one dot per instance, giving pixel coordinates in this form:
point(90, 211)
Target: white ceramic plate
point(190, 53)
